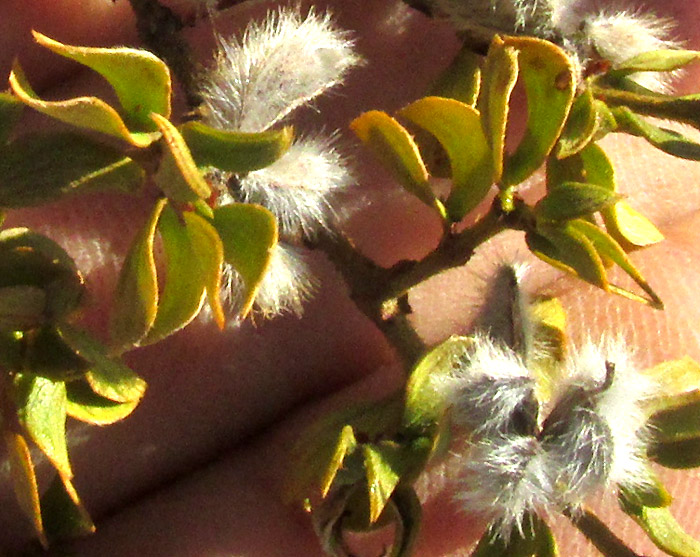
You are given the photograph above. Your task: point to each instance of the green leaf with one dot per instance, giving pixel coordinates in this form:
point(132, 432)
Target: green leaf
point(181, 298)
point(651, 494)
point(607, 247)
point(85, 405)
point(41, 409)
point(178, 176)
point(30, 259)
point(24, 482)
point(83, 112)
point(571, 200)
point(136, 297)
point(383, 465)
point(499, 76)
point(545, 346)
point(535, 540)
point(461, 80)
point(248, 233)
point(669, 141)
point(108, 377)
point(237, 152)
point(22, 307)
point(580, 127)
point(457, 127)
point(397, 150)
point(663, 60)
point(140, 79)
point(678, 384)
point(37, 169)
point(425, 407)
point(547, 75)
point(10, 111)
point(63, 514)
point(663, 530)
point(678, 423)
point(46, 353)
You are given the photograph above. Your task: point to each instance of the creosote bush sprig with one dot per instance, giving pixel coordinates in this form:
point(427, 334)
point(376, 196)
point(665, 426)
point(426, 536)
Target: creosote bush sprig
point(539, 427)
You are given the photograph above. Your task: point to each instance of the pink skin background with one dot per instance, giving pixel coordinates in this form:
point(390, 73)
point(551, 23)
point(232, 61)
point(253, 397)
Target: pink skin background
point(199, 467)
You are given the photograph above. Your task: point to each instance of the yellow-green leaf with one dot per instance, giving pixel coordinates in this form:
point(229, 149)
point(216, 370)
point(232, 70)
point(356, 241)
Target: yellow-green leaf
point(210, 255)
point(571, 200)
point(662, 60)
point(235, 151)
point(548, 77)
point(678, 384)
point(628, 224)
point(461, 80)
point(677, 454)
point(37, 169)
point(41, 409)
point(108, 377)
point(580, 127)
point(383, 465)
point(178, 176)
point(652, 493)
point(85, 405)
point(24, 482)
point(248, 233)
point(457, 126)
point(47, 353)
point(499, 76)
point(607, 247)
point(546, 343)
point(183, 293)
point(136, 298)
point(424, 406)
point(83, 112)
point(663, 530)
point(535, 540)
point(395, 147)
point(140, 79)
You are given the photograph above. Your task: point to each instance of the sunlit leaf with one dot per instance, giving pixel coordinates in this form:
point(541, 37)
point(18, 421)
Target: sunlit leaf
point(183, 293)
point(547, 75)
point(395, 147)
point(607, 247)
point(85, 405)
point(669, 141)
point(678, 383)
point(580, 127)
point(64, 515)
point(663, 530)
point(424, 406)
point(178, 175)
point(663, 60)
point(457, 127)
point(235, 151)
point(546, 345)
point(210, 255)
point(37, 169)
point(499, 76)
point(461, 80)
point(383, 466)
point(108, 377)
point(83, 112)
point(140, 79)
point(136, 297)
point(248, 233)
point(10, 111)
point(571, 200)
point(41, 409)
point(652, 493)
point(24, 482)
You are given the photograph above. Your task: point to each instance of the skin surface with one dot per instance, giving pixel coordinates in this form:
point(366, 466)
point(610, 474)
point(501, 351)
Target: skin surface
point(198, 469)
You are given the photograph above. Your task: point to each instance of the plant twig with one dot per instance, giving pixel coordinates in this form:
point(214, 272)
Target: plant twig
point(597, 532)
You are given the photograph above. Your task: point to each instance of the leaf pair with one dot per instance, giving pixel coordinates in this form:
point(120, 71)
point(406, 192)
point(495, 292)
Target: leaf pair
point(195, 248)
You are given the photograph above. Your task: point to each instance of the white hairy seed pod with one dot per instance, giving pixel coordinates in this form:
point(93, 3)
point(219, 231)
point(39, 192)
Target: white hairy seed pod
point(596, 433)
point(490, 391)
point(277, 66)
point(505, 478)
point(621, 35)
point(300, 187)
point(287, 284)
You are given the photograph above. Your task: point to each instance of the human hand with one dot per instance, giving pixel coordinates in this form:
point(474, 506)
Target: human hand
point(198, 468)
